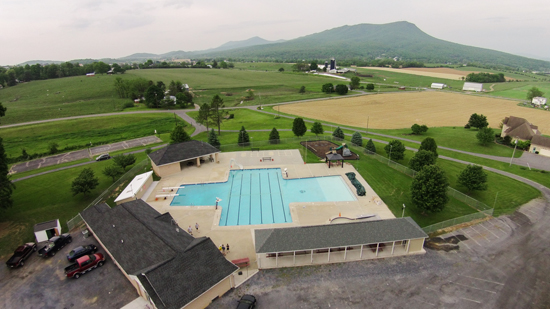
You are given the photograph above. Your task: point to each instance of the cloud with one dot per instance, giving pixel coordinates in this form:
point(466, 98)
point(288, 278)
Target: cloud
point(178, 4)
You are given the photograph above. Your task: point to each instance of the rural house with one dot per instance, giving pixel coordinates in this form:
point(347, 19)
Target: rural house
point(518, 128)
point(540, 144)
point(539, 101)
point(168, 267)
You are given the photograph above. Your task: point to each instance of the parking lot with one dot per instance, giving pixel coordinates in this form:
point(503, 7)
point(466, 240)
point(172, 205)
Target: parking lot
point(41, 283)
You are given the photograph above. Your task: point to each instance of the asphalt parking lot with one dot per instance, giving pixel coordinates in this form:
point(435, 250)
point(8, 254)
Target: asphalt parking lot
point(41, 283)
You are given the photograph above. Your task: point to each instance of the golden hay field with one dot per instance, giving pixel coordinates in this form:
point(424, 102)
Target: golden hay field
point(432, 72)
point(402, 110)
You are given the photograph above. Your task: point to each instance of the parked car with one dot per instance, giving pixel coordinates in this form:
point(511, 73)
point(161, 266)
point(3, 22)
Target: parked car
point(81, 251)
point(247, 302)
point(102, 157)
point(84, 264)
point(55, 244)
point(21, 254)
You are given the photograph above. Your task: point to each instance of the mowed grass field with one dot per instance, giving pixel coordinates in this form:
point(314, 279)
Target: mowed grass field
point(402, 110)
point(79, 133)
point(81, 95)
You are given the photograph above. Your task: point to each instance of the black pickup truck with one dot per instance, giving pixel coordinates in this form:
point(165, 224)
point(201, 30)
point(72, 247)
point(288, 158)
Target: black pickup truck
point(55, 244)
point(21, 254)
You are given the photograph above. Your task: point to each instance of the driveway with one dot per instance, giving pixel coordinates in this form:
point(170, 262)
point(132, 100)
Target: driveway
point(41, 283)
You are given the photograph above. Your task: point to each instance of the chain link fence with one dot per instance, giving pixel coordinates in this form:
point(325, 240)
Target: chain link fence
point(456, 221)
point(117, 186)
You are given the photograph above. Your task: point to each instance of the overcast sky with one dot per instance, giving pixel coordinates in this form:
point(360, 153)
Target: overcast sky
point(72, 29)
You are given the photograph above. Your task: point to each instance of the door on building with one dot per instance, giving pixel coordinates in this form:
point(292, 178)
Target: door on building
point(50, 233)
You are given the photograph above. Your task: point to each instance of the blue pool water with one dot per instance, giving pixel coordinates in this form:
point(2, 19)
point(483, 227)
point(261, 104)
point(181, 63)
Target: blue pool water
point(262, 196)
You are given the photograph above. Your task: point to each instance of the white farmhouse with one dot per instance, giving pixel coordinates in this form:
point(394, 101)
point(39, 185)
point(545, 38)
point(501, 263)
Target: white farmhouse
point(539, 101)
point(477, 87)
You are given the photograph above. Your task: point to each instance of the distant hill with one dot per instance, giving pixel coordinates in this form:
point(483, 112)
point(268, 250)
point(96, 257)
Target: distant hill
point(42, 62)
point(368, 41)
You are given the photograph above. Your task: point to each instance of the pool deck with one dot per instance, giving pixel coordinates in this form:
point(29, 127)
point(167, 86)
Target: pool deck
point(241, 238)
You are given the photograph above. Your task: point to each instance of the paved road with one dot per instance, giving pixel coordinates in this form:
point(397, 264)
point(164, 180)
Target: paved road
point(82, 154)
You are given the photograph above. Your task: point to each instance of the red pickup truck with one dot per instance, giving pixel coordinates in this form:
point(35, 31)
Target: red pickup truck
point(84, 265)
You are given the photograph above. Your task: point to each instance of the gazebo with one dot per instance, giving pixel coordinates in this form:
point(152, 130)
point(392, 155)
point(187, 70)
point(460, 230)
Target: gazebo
point(334, 157)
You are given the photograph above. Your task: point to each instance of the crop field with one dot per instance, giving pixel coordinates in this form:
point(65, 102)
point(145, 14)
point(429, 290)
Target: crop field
point(520, 91)
point(399, 77)
point(402, 110)
point(445, 73)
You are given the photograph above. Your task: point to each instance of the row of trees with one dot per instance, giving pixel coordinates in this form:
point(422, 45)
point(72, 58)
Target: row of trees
point(27, 73)
point(213, 114)
point(328, 88)
point(6, 186)
point(485, 77)
point(155, 94)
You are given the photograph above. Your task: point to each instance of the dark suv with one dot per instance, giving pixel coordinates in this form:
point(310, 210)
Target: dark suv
point(81, 251)
point(102, 157)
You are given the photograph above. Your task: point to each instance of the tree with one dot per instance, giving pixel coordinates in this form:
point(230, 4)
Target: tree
point(357, 139)
point(485, 136)
point(328, 88)
point(153, 96)
point(113, 171)
point(217, 113)
point(354, 83)
point(299, 127)
point(85, 182)
point(274, 136)
point(6, 186)
point(52, 147)
point(370, 146)
point(281, 69)
point(223, 65)
point(534, 92)
point(313, 66)
point(204, 115)
point(250, 95)
point(419, 129)
point(124, 160)
point(429, 144)
point(179, 135)
point(317, 128)
point(302, 89)
point(183, 99)
point(395, 150)
point(341, 89)
point(478, 121)
point(370, 87)
point(213, 139)
point(473, 178)
point(214, 64)
point(429, 189)
point(422, 158)
point(338, 133)
point(244, 139)
point(2, 110)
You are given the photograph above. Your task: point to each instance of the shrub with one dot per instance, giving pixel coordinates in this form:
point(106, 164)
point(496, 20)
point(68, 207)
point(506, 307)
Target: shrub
point(341, 89)
point(128, 105)
point(231, 116)
point(467, 126)
point(370, 86)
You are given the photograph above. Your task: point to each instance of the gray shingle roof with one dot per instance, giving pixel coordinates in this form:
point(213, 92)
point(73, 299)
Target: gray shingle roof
point(541, 141)
point(181, 152)
point(334, 156)
point(336, 235)
point(45, 225)
point(179, 266)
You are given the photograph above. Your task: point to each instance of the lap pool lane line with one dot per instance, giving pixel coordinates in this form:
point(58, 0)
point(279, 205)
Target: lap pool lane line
point(282, 201)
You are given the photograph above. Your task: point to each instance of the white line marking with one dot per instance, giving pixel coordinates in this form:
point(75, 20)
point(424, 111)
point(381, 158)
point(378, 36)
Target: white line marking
point(472, 227)
point(475, 301)
point(471, 238)
point(489, 230)
point(471, 287)
point(482, 279)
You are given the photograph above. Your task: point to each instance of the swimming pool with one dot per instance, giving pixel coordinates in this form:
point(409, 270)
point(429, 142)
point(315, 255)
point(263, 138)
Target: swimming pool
point(262, 196)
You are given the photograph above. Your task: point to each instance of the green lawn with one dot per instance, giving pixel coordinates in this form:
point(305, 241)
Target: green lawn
point(78, 133)
point(44, 198)
point(519, 90)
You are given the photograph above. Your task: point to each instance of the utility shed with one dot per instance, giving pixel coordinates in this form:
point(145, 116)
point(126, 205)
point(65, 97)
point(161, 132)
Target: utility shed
point(336, 243)
point(136, 188)
point(477, 87)
point(46, 230)
point(438, 86)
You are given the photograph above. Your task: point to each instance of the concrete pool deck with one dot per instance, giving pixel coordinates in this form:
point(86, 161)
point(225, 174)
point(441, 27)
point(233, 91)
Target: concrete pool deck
point(240, 238)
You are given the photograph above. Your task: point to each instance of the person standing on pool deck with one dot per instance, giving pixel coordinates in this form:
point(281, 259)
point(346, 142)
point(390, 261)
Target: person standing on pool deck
point(227, 247)
point(190, 230)
point(197, 227)
point(223, 249)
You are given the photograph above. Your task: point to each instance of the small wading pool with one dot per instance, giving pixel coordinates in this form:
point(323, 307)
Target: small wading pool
point(262, 196)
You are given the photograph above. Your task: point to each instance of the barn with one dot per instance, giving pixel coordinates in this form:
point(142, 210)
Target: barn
point(477, 87)
point(438, 86)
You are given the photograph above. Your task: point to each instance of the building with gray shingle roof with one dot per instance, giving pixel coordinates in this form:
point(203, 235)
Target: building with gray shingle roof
point(166, 265)
point(541, 145)
point(321, 240)
point(172, 158)
point(518, 128)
